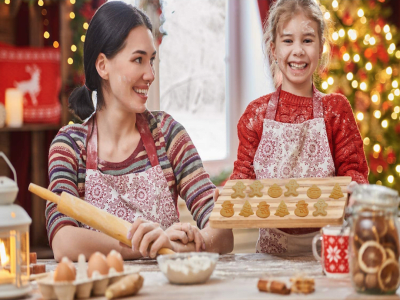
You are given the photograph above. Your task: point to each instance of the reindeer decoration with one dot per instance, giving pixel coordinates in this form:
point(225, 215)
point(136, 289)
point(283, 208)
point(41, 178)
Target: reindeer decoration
point(31, 86)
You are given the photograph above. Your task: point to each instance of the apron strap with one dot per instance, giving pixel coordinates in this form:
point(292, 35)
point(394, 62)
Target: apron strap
point(145, 135)
point(318, 111)
point(147, 138)
point(91, 148)
point(273, 104)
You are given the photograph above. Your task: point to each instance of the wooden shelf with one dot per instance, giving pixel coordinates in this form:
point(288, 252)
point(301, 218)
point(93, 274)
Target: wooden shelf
point(31, 127)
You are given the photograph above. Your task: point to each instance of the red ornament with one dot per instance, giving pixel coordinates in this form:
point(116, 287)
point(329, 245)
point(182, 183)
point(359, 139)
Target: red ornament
point(335, 51)
point(356, 47)
point(386, 105)
point(374, 163)
point(371, 4)
point(391, 157)
point(88, 9)
point(347, 19)
point(349, 67)
point(382, 54)
point(397, 129)
point(368, 53)
point(362, 74)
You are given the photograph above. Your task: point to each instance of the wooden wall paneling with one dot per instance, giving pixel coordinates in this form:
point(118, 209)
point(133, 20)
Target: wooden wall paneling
point(5, 148)
point(65, 46)
point(35, 26)
point(37, 143)
point(6, 25)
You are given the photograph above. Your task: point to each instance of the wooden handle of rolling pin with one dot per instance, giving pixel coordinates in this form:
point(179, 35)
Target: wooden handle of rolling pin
point(90, 215)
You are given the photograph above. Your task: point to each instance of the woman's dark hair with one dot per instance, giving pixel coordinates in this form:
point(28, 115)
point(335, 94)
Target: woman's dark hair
point(106, 34)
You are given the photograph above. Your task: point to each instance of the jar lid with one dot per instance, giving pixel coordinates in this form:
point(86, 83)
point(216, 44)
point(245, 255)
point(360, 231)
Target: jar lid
point(377, 195)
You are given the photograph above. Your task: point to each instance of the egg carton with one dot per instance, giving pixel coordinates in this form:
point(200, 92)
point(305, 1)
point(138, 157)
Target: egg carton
point(82, 287)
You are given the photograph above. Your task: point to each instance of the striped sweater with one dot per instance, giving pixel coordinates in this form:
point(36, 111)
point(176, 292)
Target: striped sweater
point(177, 155)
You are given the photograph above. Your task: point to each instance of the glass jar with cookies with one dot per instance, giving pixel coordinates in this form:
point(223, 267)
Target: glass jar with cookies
point(374, 240)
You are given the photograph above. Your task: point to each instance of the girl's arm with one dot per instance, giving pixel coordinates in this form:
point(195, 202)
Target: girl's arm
point(249, 130)
point(347, 145)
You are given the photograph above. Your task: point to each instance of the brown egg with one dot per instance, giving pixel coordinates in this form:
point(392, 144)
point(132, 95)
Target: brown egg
point(97, 262)
point(65, 271)
point(70, 264)
point(114, 260)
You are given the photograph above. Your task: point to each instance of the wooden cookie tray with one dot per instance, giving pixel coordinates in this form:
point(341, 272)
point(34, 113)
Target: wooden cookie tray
point(335, 208)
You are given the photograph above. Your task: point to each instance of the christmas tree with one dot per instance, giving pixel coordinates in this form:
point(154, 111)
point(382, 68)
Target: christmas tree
point(365, 68)
point(246, 210)
point(282, 209)
point(336, 192)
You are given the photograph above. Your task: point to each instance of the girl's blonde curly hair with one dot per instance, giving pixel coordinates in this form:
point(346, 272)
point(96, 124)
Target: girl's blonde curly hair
point(280, 12)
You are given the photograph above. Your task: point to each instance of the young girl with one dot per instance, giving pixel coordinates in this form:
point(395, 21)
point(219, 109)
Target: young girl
point(297, 131)
point(124, 159)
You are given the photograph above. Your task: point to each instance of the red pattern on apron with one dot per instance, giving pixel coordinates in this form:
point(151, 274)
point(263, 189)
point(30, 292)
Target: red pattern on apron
point(145, 194)
point(291, 151)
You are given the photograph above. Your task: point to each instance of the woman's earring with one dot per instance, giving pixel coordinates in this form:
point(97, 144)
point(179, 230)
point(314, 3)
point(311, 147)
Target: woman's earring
point(276, 61)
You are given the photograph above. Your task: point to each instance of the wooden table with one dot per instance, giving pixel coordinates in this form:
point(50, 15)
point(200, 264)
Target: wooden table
point(236, 277)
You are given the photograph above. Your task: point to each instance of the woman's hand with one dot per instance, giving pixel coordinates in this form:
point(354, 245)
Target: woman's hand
point(148, 237)
point(216, 194)
point(186, 233)
point(350, 189)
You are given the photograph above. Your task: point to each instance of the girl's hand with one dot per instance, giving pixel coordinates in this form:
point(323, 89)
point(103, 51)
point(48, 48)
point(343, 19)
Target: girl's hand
point(148, 237)
point(350, 189)
point(186, 233)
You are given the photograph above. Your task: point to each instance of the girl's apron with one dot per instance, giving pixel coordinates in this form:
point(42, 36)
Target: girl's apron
point(292, 151)
point(144, 194)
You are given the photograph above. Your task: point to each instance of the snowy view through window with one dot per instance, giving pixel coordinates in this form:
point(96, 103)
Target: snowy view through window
point(192, 72)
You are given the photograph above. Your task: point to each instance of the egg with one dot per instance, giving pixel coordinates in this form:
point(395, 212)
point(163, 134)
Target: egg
point(65, 271)
point(97, 262)
point(114, 260)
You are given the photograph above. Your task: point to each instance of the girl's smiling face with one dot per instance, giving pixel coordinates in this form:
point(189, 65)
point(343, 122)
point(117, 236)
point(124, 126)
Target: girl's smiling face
point(297, 49)
point(130, 72)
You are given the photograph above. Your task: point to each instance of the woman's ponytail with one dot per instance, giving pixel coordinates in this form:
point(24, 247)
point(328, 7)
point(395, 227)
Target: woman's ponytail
point(80, 102)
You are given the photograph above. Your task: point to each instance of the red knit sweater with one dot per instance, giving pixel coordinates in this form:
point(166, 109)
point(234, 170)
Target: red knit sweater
point(344, 137)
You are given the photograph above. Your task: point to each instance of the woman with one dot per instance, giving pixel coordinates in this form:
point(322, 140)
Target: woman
point(123, 158)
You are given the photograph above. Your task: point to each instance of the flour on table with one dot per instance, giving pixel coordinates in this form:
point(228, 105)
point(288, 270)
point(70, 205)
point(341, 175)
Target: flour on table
point(194, 269)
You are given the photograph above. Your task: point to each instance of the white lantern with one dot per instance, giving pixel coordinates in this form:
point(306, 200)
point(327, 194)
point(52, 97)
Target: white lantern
point(14, 240)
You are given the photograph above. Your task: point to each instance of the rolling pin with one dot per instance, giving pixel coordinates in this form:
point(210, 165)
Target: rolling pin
point(90, 215)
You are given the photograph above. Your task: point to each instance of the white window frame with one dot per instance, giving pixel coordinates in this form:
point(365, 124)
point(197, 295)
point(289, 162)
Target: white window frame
point(245, 81)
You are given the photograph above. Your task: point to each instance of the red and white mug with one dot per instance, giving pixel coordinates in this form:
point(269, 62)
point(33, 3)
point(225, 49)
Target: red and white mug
point(334, 250)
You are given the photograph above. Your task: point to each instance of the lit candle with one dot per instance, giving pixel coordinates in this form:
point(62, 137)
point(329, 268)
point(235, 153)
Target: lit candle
point(5, 275)
point(14, 107)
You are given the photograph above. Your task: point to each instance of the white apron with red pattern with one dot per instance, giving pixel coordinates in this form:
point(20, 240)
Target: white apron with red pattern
point(145, 194)
point(292, 151)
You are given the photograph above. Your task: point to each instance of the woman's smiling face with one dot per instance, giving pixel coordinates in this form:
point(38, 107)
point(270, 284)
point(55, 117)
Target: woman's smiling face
point(297, 50)
point(131, 71)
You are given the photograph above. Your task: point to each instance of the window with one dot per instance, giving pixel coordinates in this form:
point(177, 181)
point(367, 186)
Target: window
point(192, 72)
